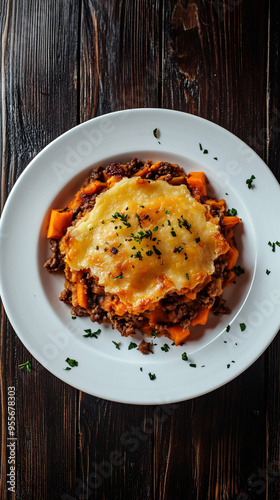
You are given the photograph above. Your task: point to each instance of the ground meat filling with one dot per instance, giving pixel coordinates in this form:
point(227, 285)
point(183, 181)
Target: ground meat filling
point(145, 347)
point(55, 262)
point(176, 309)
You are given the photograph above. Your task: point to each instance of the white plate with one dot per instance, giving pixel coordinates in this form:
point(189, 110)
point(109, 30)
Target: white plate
point(30, 293)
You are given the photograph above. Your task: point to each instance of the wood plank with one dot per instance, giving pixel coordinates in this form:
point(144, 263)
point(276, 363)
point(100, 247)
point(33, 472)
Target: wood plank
point(213, 57)
point(39, 51)
point(119, 69)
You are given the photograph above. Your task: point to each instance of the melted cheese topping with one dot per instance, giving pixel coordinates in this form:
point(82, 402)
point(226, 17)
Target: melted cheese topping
point(144, 239)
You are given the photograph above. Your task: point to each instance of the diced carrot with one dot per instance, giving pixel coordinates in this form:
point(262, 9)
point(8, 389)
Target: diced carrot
point(93, 187)
point(59, 221)
point(201, 318)
point(191, 295)
point(178, 334)
point(198, 180)
point(114, 305)
point(81, 295)
point(142, 172)
point(177, 181)
point(232, 256)
point(156, 316)
point(230, 221)
point(155, 166)
point(112, 180)
point(75, 276)
point(216, 204)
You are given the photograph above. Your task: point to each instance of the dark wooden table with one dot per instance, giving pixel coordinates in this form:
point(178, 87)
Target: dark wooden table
point(64, 62)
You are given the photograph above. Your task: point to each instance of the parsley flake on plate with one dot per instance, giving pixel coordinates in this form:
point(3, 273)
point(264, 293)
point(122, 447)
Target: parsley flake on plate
point(165, 347)
point(249, 182)
point(71, 362)
point(90, 334)
point(117, 344)
point(232, 212)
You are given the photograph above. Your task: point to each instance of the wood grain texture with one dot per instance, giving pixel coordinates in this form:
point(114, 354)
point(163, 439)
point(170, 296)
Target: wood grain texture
point(63, 63)
point(39, 65)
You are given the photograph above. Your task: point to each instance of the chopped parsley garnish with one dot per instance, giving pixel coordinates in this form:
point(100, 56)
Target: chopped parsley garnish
point(238, 270)
point(154, 334)
point(152, 376)
point(200, 147)
point(155, 133)
point(119, 245)
point(186, 257)
point(242, 327)
point(232, 212)
point(268, 272)
point(184, 223)
point(71, 363)
point(272, 245)
point(132, 345)
point(173, 233)
point(187, 276)
point(122, 217)
point(74, 317)
point(139, 219)
point(141, 369)
point(90, 334)
point(141, 235)
point(27, 364)
point(215, 158)
point(119, 277)
point(228, 328)
point(228, 366)
point(138, 255)
point(117, 344)
point(193, 365)
point(149, 252)
point(197, 240)
point(168, 222)
point(179, 249)
point(165, 348)
point(167, 212)
point(249, 182)
point(205, 151)
point(185, 356)
point(155, 228)
point(156, 250)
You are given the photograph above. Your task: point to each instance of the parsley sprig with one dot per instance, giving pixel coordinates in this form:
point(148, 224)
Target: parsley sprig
point(27, 364)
